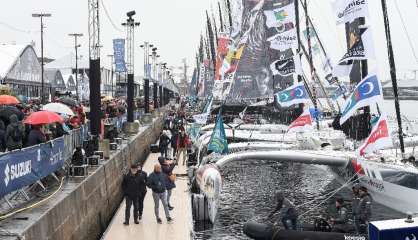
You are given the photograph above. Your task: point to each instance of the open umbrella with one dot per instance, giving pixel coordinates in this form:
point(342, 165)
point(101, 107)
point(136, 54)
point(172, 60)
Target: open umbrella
point(107, 98)
point(59, 108)
point(68, 101)
point(8, 100)
point(43, 117)
point(7, 111)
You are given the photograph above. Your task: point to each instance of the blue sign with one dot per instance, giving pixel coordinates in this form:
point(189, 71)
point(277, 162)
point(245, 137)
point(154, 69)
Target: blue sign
point(24, 167)
point(119, 53)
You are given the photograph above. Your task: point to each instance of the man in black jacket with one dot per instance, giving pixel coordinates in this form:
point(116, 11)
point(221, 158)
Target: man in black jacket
point(143, 191)
point(131, 189)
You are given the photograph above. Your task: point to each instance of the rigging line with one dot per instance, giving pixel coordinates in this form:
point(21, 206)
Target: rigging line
point(406, 31)
point(109, 18)
point(13, 28)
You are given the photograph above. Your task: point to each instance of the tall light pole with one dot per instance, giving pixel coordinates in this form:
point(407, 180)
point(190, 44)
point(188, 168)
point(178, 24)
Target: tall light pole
point(146, 46)
point(112, 62)
point(76, 46)
point(41, 16)
point(130, 37)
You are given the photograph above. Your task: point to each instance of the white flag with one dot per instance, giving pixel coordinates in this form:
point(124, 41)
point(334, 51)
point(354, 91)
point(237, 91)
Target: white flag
point(379, 137)
point(284, 41)
point(348, 10)
point(280, 16)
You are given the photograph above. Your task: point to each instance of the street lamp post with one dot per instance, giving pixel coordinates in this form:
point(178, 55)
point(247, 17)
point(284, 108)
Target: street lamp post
point(76, 46)
point(146, 46)
point(41, 16)
point(130, 30)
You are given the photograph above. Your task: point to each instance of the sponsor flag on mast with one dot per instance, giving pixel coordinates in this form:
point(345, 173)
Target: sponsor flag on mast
point(379, 137)
point(347, 11)
point(302, 123)
point(295, 94)
point(218, 142)
point(367, 92)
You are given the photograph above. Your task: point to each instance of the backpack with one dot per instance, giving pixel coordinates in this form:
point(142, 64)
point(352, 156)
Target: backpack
point(16, 135)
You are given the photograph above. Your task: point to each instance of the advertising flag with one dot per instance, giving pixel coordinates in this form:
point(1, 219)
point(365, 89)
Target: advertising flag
point(293, 95)
point(119, 53)
point(279, 16)
point(340, 91)
point(348, 10)
point(284, 41)
point(287, 66)
point(379, 137)
point(367, 92)
point(218, 142)
point(302, 123)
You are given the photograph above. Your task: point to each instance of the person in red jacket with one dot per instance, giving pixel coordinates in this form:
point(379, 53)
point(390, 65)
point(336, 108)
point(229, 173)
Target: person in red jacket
point(182, 143)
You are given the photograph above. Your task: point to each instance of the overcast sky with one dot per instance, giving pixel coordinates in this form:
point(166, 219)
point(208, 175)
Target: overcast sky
point(174, 27)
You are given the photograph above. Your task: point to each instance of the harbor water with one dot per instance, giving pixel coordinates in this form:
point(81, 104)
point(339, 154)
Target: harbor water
point(249, 189)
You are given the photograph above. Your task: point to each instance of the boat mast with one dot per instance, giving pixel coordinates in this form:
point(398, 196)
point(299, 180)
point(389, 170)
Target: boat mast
point(393, 75)
point(311, 63)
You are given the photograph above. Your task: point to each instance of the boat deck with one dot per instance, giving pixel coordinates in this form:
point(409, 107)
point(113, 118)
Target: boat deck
point(148, 228)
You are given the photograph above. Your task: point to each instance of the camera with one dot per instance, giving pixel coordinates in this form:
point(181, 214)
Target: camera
point(130, 14)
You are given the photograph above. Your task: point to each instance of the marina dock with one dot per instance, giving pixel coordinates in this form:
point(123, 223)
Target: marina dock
point(148, 228)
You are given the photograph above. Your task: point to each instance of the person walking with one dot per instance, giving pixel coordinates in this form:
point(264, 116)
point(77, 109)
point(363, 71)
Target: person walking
point(15, 132)
point(173, 142)
point(157, 182)
point(288, 211)
point(163, 143)
point(131, 190)
point(363, 211)
point(167, 167)
point(142, 191)
point(182, 143)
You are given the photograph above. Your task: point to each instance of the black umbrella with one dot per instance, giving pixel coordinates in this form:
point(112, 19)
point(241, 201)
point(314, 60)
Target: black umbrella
point(7, 111)
point(68, 101)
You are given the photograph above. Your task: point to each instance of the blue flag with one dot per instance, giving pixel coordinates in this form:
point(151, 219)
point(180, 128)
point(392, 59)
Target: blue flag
point(119, 53)
point(367, 92)
point(295, 94)
point(218, 142)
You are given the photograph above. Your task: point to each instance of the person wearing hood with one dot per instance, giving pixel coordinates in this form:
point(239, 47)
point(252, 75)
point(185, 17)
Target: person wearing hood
point(15, 132)
point(288, 211)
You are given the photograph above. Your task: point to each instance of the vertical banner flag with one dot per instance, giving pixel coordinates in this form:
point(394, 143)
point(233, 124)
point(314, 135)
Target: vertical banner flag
point(203, 117)
point(201, 81)
point(218, 142)
point(282, 20)
point(348, 10)
point(367, 92)
point(293, 95)
point(119, 53)
point(302, 123)
point(379, 137)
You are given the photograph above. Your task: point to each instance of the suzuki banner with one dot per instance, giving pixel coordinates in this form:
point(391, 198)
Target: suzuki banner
point(24, 167)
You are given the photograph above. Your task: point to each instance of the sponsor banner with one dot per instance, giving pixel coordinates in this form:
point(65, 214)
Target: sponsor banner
point(361, 47)
point(201, 81)
point(287, 67)
point(218, 142)
point(284, 41)
point(302, 123)
point(280, 16)
point(119, 53)
point(348, 10)
point(24, 167)
point(367, 92)
point(379, 137)
point(222, 52)
point(293, 95)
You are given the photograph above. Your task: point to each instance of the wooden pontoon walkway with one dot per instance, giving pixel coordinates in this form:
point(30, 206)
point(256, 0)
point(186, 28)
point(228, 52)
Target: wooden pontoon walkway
point(148, 229)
